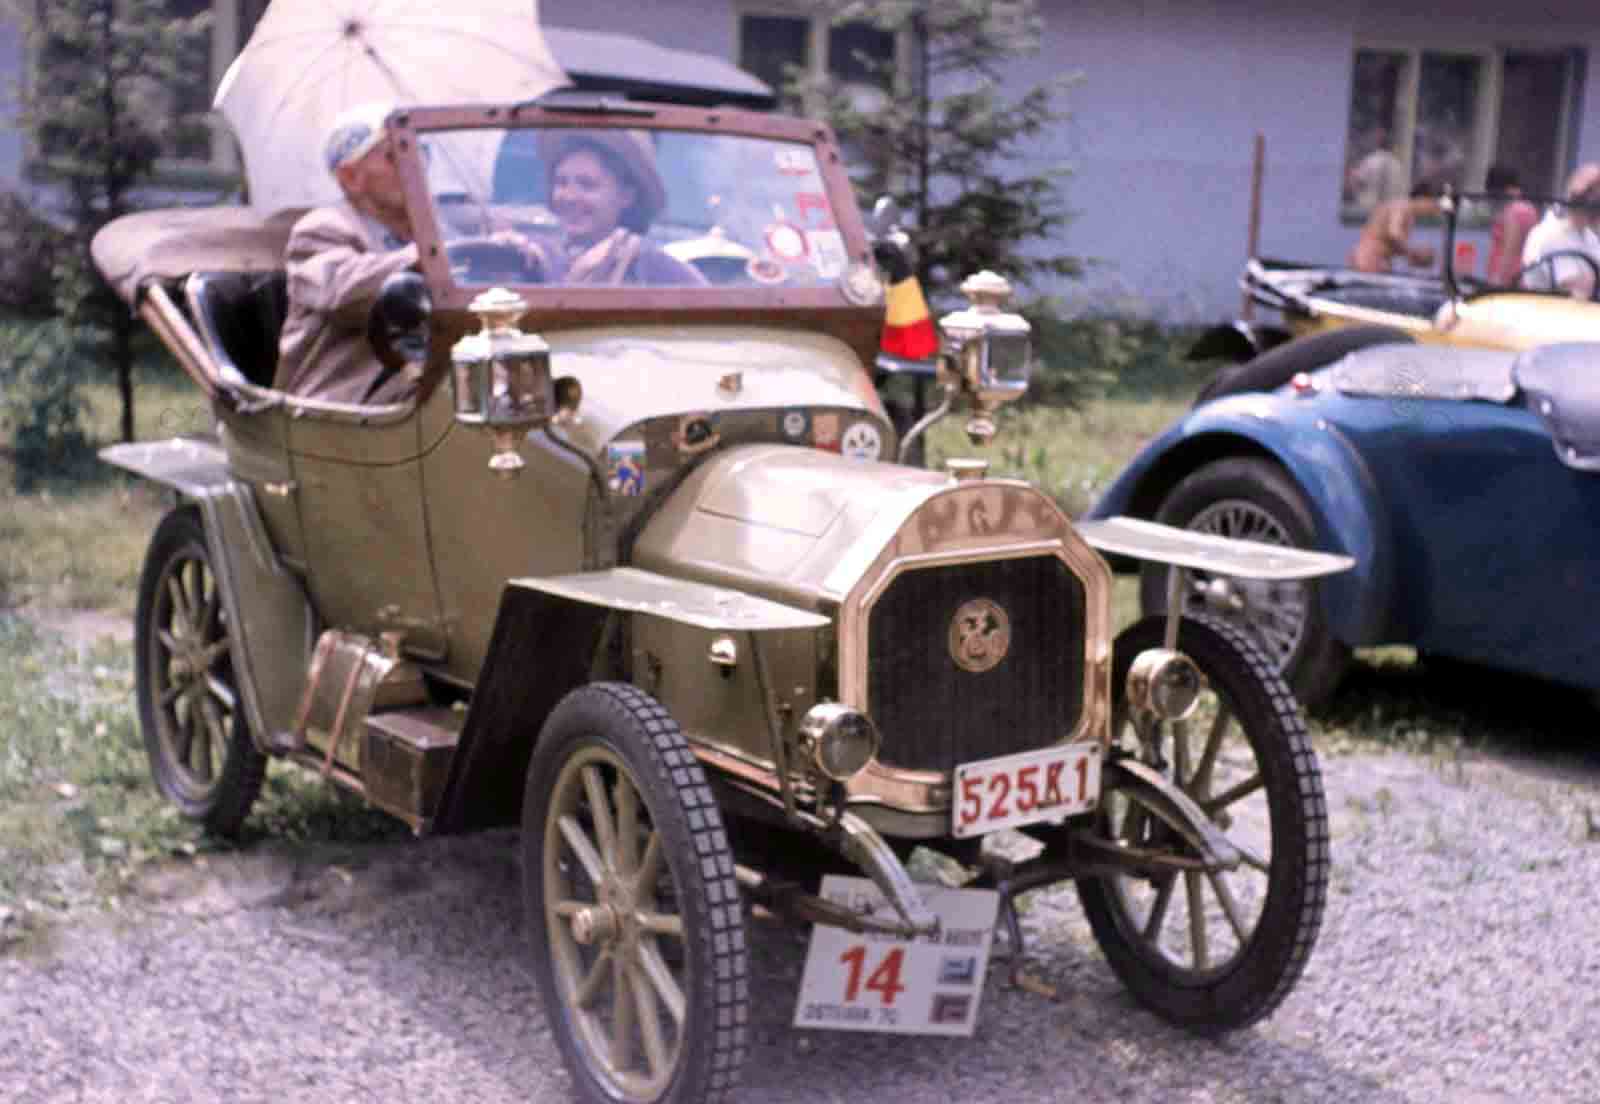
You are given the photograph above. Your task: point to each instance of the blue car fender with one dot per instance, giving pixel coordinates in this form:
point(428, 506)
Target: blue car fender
point(1338, 487)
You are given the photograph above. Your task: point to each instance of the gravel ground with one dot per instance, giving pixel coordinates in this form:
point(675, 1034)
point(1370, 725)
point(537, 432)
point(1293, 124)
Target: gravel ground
point(1460, 961)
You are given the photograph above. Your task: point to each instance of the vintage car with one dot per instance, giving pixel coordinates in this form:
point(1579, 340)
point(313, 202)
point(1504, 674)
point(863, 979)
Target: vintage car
point(1464, 482)
point(633, 570)
point(1356, 309)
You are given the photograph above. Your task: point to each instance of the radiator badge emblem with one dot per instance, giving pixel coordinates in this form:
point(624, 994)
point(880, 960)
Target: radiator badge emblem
point(980, 635)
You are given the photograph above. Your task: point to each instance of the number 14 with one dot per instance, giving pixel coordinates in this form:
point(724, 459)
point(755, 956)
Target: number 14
point(884, 980)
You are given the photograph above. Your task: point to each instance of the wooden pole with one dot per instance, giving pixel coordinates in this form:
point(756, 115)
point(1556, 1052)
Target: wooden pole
point(1258, 165)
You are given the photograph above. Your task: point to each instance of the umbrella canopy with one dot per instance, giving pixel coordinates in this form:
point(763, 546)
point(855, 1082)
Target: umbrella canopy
point(308, 60)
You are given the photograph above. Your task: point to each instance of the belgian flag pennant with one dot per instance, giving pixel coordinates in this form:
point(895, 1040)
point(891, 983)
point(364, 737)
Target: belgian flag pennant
point(908, 330)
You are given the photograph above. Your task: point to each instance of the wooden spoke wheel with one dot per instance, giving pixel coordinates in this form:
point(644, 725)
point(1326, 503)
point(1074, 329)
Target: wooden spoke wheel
point(633, 909)
point(1217, 950)
point(199, 745)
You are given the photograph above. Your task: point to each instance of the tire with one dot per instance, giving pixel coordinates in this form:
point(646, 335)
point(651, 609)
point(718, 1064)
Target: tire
point(1231, 976)
point(201, 752)
point(592, 899)
point(1278, 365)
point(1255, 499)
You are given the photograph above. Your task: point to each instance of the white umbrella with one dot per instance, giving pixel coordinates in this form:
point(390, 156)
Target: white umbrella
point(308, 60)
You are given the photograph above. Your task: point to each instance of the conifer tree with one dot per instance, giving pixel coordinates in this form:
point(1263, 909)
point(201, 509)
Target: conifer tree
point(101, 106)
point(953, 143)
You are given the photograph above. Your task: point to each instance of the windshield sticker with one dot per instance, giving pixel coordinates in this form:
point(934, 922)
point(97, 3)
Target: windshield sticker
point(827, 253)
point(785, 240)
point(796, 424)
point(815, 214)
point(825, 431)
point(862, 441)
point(625, 467)
point(795, 162)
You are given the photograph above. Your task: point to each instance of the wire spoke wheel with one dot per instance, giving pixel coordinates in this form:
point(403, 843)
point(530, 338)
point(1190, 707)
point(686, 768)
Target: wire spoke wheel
point(199, 745)
point(632, 905)
point(1272, 610)
point(1216, 950)
point(1249, 499)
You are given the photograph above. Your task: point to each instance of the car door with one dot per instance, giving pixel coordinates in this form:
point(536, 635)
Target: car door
point(359, 489)
point(1497, 539)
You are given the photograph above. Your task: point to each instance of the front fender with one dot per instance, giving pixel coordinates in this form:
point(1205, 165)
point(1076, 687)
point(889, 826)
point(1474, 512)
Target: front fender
point(1345, 503)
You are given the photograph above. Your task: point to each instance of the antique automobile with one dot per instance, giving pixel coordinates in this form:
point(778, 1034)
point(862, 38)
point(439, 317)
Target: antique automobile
point(1336, 310)
point(1462, 481)
point(634, 570)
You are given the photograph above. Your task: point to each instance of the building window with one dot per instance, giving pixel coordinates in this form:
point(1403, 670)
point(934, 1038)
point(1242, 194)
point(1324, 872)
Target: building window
point(775, 46)
point(1444, 116)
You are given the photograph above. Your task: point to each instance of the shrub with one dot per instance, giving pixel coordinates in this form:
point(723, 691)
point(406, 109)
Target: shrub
point(41, 365)
point(29, 246)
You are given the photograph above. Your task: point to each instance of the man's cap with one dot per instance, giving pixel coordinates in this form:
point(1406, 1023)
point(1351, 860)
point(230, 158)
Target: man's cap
point(354, 133)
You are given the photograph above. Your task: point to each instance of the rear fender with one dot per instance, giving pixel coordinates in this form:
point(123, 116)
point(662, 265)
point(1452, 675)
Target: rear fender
point(1345, 503)
point(269, 661)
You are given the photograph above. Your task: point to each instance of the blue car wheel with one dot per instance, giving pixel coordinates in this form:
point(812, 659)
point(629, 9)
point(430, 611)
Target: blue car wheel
point(1252, 499)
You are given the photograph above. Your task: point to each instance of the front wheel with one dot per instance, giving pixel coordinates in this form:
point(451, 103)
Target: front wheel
point(200, 748)
point(633, 910)
point(1214, 952)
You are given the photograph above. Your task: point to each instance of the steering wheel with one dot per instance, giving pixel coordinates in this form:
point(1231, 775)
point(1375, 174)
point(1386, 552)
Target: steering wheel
point(493, 261)
point(1547, 265)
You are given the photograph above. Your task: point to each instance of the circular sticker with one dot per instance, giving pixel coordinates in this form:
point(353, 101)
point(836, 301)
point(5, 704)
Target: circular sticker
point(786, 242)
point(862, 441)
point(795, 424)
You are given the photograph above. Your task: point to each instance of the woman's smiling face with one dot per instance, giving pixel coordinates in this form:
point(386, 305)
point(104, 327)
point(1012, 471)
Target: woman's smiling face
point(587, 196)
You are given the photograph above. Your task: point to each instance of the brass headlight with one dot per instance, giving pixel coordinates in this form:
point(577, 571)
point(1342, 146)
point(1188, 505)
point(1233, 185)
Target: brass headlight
point(840, 740)
point(501, 377)
point(1164, 684)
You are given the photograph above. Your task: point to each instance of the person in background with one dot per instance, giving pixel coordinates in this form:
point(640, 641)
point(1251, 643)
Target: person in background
point(1387, 233)
point(1567, 229)
point(1379, 176)
point(338, 258)
point(1509, 231)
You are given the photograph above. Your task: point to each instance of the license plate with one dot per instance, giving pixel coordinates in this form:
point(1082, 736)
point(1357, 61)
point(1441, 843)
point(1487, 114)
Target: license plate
point(1027, 788)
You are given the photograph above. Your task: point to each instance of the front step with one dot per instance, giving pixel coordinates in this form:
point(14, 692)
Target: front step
point(405, 759)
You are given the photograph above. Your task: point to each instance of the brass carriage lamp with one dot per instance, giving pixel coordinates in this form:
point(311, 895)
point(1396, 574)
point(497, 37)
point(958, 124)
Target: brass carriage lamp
point(500, 378)
point(990, 350)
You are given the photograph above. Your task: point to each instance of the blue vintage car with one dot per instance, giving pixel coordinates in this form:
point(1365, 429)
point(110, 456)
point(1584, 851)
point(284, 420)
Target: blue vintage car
point(1464, 482)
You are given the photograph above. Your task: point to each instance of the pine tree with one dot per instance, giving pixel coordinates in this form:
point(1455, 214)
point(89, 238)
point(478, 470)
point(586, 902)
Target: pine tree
point(953, 145)
point(100, 109)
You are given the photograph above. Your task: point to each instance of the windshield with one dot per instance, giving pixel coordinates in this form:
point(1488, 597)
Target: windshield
point(612, 207)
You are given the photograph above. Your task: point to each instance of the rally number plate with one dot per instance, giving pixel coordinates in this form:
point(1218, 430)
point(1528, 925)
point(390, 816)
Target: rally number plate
point(1027, 788)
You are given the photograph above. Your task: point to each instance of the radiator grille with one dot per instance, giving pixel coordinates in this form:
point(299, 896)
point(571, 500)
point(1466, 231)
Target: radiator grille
point(932, 712)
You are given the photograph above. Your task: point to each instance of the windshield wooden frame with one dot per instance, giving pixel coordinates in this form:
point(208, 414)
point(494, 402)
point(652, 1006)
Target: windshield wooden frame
point(567, 305)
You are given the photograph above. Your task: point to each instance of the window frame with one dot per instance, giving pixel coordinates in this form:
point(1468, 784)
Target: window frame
point(1490, 92)
point(818, 25)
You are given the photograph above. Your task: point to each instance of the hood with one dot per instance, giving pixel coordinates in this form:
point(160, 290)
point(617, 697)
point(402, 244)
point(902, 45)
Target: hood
point(642, 373)
point(806, 526)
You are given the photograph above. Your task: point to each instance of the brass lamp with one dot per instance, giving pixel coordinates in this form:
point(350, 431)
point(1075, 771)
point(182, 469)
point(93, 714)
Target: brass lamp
point(989, 349)
point(500, 378)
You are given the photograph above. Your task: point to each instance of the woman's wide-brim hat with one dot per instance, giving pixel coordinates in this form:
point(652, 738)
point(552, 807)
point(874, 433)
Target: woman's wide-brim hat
point(629, 148)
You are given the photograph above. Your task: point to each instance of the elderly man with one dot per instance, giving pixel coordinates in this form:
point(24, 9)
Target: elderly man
point(1566, 231)
point(338, 258)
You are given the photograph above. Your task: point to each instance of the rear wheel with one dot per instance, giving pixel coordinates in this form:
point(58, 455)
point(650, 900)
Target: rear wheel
point(1214, 952)
point(1253, 499)
point(635, 916)
point(200, 748)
